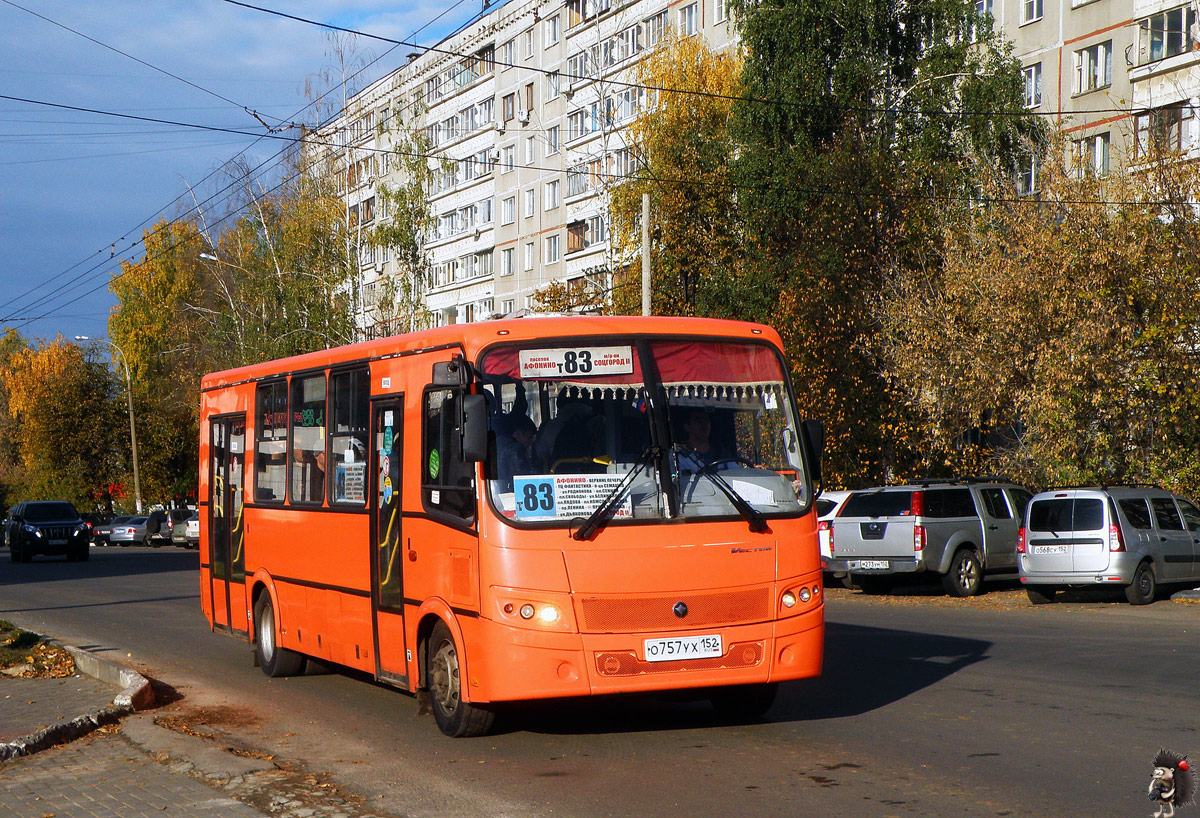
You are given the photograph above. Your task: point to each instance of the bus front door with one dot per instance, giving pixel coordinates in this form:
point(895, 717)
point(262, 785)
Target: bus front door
point(387, 561)
point(227, 557)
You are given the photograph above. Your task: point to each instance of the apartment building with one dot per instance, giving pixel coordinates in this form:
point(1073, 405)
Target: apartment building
point(527, 110)
point(1118, 76)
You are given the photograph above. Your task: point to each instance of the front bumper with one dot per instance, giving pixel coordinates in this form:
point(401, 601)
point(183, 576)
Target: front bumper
point(554, 665)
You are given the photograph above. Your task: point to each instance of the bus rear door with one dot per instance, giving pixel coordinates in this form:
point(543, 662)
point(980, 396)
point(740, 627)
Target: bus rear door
point(227, 587)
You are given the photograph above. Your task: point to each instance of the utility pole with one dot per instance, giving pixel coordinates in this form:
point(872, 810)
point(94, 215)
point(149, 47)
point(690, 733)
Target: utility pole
point(645, 254)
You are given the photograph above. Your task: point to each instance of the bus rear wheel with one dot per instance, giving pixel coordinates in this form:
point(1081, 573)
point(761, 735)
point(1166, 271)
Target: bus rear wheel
point(455, 717)
point(274, 660)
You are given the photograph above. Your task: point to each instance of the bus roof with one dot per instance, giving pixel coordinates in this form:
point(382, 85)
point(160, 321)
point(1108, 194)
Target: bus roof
point(474, 337)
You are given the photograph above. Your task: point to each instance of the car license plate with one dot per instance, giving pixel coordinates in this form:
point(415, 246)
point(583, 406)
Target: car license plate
point(869, 565)
point(1051, 549)
point(683, 647)
point(58, 542)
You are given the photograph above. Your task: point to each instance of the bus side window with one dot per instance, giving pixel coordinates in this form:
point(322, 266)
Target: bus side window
point(448, 481)
point(348, 437)
point(270, 442)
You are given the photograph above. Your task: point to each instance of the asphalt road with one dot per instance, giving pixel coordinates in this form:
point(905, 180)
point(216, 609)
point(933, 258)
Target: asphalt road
point(928, 706)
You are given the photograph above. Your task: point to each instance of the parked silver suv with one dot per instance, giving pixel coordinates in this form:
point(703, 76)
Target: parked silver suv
point(1130, 536)
point(957, 529)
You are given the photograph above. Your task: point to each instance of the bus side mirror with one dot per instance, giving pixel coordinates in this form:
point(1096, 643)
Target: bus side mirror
point(474, 428)
point(814, 447)
point(455, 372)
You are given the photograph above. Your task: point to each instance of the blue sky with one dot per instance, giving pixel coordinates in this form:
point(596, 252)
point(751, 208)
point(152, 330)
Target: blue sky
point(76, 189)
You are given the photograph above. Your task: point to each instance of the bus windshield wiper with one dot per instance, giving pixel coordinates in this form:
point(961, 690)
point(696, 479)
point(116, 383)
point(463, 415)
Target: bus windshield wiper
point(600, 516)
point(758, 523)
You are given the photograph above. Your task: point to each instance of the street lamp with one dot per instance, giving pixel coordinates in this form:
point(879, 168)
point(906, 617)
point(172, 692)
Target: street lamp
point(137, 485)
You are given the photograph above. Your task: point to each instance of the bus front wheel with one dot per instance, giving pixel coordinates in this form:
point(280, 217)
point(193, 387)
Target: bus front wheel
point(455, 717)
point(274, 660)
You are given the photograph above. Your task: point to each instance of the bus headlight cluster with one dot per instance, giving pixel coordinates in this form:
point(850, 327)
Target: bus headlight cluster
point(802, 594)
point(541, 613)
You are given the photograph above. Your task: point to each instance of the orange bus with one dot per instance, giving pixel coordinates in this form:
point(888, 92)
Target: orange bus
point(520, 509)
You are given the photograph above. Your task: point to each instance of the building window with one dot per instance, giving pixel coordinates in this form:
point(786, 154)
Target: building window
point(529, 254)
point(551, 195)
point(689, 19)
point(1032, 75)
point(530, 203)
point(528, 107)
point(718, 11)
point(552, 31)
point(506, 306)
point(656, 26)
point(508, 210)
point(1163, 130)
point(552, 140)
point(553, 85)
point(508, 106)
point(530, 151)
point(508, 158)
point(1091, 155)
point(508, 54)
point(1166, 34)
point(552, 248)
point(1031, 10)
point(1027, 176)
point(1093, 67)
point(527, 43)
point(508, 264)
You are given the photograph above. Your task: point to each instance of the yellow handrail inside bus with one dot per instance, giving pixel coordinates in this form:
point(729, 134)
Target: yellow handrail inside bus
point(391, 559)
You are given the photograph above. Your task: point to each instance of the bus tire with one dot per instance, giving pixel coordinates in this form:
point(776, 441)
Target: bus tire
point(455, 717)
point(274, 660)
point(742, 702)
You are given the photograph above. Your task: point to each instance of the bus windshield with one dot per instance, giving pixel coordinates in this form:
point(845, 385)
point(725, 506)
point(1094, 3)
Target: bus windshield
point(647, 430)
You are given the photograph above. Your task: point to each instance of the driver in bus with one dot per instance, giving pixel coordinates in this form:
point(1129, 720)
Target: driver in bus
point(697, 429)
point(514, 447)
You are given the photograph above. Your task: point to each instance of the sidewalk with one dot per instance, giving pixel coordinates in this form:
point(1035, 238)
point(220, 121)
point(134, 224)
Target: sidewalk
point(109, 772)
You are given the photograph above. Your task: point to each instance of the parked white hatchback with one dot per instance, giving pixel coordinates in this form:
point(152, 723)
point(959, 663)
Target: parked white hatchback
point(828, 505)
point(1130, 537)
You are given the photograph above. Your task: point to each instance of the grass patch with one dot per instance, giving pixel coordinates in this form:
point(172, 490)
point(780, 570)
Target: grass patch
point(16, 644)
point(21, 647)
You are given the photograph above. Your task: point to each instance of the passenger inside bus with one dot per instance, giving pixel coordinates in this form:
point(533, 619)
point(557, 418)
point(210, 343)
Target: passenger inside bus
point(514, 446)
point(697, 438)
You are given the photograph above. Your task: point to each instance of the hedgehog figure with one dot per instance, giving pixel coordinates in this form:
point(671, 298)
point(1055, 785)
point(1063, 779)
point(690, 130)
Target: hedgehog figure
point(1172, 784)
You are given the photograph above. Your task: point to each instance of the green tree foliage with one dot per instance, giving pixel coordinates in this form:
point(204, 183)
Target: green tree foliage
point(63, 415)
point(1063, 329)
point(682, 143)
point(861, 120)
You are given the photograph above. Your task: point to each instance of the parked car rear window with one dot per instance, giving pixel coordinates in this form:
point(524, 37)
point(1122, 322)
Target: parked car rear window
point(878, 504)
point(1067, 514)
point(1136, 512)
point(825, 506)
point(949, 503)
point(50, 512)
point(1191, 514)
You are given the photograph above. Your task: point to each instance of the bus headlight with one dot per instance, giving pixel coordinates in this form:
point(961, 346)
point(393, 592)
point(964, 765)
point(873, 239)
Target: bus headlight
point(526, 609)
point(789, 599)
point(548, 615)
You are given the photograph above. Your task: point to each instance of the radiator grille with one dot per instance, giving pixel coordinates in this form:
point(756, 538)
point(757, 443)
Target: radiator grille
point(616, 614)
point(57, 532)
point(626, 663)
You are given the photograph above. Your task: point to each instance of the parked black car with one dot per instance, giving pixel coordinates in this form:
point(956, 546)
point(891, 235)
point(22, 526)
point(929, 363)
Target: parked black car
point(46, 527)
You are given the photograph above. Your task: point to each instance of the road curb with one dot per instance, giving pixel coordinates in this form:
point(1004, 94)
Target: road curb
point(136, 694)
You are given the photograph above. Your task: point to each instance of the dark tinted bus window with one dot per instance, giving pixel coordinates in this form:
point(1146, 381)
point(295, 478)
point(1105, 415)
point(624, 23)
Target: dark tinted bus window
point(1136, 512)
point(348, 437)
point(949, 503)
point(878, 504)
point(448, 481)
point(270, 443)
point(308, 439)
point(1065, 514)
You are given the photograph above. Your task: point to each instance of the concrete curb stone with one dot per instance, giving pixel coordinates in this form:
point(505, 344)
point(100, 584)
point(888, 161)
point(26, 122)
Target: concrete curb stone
point(135, 693)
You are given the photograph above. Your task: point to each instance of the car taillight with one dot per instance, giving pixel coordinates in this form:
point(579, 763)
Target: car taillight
point(1021, 540)
point(1115, 541)
point(917, 507)
point(831, 540)
point(918, 538)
